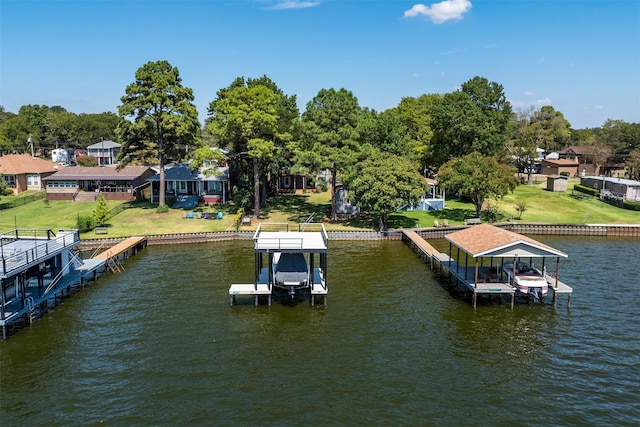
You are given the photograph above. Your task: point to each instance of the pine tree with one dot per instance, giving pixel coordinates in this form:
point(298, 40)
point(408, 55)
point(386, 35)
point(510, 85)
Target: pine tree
point(101, 213)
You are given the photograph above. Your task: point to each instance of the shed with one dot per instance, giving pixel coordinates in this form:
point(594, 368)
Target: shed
point(557, 183)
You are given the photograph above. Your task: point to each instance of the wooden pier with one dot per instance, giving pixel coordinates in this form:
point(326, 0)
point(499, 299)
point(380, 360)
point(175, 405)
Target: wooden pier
point(479, 278)
point(122, 250)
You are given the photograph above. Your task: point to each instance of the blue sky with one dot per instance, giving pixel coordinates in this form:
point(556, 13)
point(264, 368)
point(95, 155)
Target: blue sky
point(581, 57)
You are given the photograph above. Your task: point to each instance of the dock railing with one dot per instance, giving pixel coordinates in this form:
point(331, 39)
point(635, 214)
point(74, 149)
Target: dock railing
point(45, 241)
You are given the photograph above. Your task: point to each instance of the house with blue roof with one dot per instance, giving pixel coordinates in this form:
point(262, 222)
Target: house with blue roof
point(207, 184)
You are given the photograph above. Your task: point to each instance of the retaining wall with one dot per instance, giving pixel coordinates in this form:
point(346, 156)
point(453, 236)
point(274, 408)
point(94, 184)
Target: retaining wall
point(603, 230)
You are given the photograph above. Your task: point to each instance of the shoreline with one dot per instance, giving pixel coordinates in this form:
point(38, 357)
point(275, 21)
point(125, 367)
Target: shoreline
point(598, 230)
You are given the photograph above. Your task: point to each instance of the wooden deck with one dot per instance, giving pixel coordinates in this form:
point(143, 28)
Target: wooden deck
point(122, 247)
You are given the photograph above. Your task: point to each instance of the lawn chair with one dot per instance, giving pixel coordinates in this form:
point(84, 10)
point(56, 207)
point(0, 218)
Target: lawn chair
point(445, 223)
point(205, 215)
point(185, 215)
point(220, 215)
point(436, 223)
point(191, 215)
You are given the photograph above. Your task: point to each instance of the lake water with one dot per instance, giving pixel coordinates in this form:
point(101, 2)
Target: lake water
point(159, 345)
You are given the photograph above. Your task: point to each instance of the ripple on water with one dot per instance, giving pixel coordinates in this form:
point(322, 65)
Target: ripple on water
point(160, 345)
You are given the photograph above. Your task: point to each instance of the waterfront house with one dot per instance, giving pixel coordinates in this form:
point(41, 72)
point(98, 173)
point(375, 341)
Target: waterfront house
point(105, 151)
point(23, 172)
point(207, 184)
point(292, 183)
point(81, 183)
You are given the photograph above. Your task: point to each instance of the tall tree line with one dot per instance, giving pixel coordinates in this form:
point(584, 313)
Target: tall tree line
point(263, 134)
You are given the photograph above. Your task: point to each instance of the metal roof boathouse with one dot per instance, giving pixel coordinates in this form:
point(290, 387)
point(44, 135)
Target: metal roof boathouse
point(292, 260)
point(35, 264)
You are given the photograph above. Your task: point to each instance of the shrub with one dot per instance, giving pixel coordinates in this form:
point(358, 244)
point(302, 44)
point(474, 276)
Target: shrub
point(85, 223)
point(162, 209)
point(87, 161)
point(631, 205)
point(565, 174)
point(521, 207)
point(238, 218)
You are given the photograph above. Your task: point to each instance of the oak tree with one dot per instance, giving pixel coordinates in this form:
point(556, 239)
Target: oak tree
point(477, 177)
point(384, 183)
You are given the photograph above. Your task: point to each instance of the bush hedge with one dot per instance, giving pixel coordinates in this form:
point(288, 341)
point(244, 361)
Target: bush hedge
point(631, 205)
point(587, 190)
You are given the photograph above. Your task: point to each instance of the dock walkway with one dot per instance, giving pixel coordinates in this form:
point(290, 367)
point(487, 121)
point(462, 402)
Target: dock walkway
point(122, 247)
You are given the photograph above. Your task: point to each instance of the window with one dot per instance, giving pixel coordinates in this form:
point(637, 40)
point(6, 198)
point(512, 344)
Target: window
point(33, 180)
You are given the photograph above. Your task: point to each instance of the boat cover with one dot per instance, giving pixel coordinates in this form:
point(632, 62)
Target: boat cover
point(291, 270)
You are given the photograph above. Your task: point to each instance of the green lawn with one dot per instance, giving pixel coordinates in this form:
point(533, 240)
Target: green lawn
point(543, 206)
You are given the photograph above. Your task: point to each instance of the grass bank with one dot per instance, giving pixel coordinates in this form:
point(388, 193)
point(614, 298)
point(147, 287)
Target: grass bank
point(542, 206)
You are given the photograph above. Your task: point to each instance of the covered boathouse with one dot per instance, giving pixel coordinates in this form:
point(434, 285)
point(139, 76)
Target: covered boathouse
point(35, 266)
point(273, 242)
point(483, 257)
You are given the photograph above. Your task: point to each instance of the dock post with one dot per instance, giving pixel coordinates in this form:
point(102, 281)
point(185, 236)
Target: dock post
point(513, 297)
point(474, 298)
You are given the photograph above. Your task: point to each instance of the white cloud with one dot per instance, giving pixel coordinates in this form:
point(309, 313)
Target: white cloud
point(293, 4)
point(528, 93)
point(440, 12)
point(544, 101)
point(598, 107)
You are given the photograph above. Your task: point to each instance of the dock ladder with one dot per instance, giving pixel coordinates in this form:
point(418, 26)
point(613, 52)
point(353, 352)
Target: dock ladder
point(114, 265)
point(32, 309)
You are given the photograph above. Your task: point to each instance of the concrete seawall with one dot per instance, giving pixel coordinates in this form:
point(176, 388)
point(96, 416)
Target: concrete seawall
point(602, 230)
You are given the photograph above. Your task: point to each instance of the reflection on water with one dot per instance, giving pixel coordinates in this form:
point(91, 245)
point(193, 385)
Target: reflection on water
point(159, 344)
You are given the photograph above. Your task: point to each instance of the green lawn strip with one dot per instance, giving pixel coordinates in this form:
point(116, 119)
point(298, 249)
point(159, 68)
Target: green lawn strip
point(542, 207)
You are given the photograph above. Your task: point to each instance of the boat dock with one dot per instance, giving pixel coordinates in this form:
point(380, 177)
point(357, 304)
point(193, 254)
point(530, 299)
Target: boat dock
point(39, 268)
point(482, 277)
point(122, 250)
point(271, 241)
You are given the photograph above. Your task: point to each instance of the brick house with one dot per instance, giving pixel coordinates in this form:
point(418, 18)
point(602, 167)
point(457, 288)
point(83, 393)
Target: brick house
point(578, 153)
point(23, 172)
point(556, 167)
point(80, 183)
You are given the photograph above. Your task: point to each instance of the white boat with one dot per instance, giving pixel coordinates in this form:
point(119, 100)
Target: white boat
point(527, 279)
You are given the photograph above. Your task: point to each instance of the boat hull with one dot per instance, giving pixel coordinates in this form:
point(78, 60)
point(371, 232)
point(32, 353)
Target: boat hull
point(527, 280)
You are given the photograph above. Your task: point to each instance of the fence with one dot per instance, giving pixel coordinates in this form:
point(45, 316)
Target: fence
point(15, 201)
